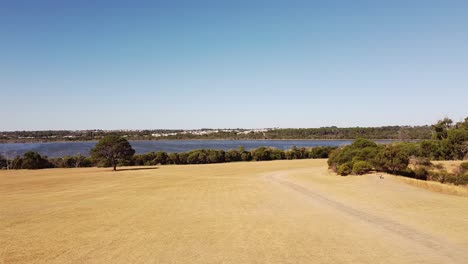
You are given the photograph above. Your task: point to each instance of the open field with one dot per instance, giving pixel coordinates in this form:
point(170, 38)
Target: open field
point(255, 212)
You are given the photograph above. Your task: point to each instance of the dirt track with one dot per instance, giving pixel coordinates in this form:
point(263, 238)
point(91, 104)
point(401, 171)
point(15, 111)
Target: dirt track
point(266, 212)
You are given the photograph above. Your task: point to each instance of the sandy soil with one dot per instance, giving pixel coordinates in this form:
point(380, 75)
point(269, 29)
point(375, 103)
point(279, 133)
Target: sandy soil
point(257, 212)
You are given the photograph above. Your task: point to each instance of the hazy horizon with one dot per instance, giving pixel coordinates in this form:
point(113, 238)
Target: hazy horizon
point(151, 65)
point(227, 128)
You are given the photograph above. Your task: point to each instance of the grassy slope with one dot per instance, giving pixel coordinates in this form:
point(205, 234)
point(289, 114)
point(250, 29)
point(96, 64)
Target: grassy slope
point(257, 212)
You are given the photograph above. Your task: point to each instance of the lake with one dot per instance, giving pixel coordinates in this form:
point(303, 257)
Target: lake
point(60, 149)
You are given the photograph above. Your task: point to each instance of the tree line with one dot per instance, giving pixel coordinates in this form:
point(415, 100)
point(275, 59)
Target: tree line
point(385, 132)
point(113, 151)
point(449, 142)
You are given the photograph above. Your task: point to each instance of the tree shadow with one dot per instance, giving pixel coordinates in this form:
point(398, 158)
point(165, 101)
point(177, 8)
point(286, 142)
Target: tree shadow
point(137, 169)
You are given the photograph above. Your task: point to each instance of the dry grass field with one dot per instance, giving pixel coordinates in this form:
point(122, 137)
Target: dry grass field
point(449, 165)
point(257, 212)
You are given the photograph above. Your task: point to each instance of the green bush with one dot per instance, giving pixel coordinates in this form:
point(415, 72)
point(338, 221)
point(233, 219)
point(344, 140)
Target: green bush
point(361, 167)
point(393, 159)
point(32, 160)
point(344, 169)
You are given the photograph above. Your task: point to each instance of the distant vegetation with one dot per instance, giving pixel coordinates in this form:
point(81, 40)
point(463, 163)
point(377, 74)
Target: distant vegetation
point(413, 159)
point(449, 142)
point(386, 132)
point(113, 151)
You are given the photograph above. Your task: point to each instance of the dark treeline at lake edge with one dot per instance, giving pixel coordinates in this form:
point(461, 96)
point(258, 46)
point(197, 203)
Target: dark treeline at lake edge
point(412, 159)
point(332, 133)
point(33, 160)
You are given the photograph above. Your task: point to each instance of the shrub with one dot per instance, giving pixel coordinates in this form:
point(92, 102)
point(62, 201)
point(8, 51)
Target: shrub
point(161, 157)
point(3, 162)
point(440, 176)
point(344, 169)
point(33, 160)
point(464, 166)
point(421, 173)
point(246, 156)
point(320, 152)
point(462, 179)
point(392, 159)
point(422, 161)
point(232, 155)
point(361, 143)
point(361, 167)
point(277, 154)
point(261, 153)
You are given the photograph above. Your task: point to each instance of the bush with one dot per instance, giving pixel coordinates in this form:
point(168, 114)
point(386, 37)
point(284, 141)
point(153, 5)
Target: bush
point(33, 160)
point(161, 157)
point(320, 152)
point(422, 161)
point(462, 179)
point(232, 155)
point(246, 156)
point(361, 143)
point(392, 159)
point(361, 167)
point(440, 176)
point(3, 162)
point(464, 166)
point(344, 169)
point(261, 153)
point(361, 151)
point(421, 173)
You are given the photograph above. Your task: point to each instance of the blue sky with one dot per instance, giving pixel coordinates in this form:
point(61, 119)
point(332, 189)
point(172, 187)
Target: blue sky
point(229, 64)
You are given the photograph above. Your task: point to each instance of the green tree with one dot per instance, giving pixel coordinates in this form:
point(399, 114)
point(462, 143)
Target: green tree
point(392, 159)
point(463, 124)
point(441, 128)
point(456, 143)
point(112, 150)
point(33, 160)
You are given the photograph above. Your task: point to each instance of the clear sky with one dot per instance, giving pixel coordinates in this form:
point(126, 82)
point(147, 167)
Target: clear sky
point(228, 64)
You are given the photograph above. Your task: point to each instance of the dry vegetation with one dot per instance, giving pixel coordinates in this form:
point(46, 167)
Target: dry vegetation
point(450, 166)
point(256, 212)
point(434, 186)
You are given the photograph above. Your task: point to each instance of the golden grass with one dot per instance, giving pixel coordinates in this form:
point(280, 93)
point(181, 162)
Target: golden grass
point(436, 186)
point(256, 212)
point(450, 166)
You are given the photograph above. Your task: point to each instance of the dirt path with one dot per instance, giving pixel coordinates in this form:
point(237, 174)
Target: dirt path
point(433, 245)
point(256, 212)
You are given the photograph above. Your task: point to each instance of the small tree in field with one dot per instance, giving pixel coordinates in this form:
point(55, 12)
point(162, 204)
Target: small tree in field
point(112, 150)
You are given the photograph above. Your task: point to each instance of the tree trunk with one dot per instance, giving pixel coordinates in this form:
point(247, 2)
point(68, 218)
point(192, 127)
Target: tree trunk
point(115, 167)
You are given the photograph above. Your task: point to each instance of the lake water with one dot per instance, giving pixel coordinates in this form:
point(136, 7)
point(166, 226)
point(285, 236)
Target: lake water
point(59, 149)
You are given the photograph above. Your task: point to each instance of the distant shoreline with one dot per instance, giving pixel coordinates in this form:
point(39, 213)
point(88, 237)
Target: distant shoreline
point(288, 139)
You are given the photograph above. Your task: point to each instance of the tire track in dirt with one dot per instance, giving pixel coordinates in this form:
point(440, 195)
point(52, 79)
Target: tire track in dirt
point(437, 245)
